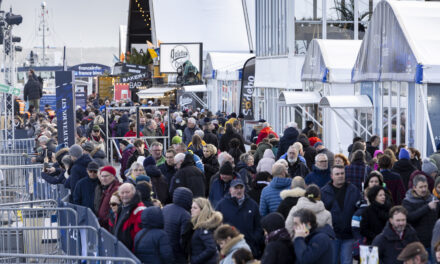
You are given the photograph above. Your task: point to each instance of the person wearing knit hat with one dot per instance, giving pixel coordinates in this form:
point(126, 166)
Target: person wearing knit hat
point(176, 140)
point(79, 166)
point(88, 147)
point(436, 190)
point(279, 248)
point(109, 169)
point(404, 154)
point(414, 251)
point(220, 185)
point(429, 168)
point(404, 166)
point(103, 192)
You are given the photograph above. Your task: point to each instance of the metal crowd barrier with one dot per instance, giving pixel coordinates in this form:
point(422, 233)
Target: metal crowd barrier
point(25, 258)
point(26, 145)
point(14, 159)
point(25, 183)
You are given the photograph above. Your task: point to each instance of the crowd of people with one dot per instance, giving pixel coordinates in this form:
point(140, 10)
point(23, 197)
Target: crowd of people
point(207, 198)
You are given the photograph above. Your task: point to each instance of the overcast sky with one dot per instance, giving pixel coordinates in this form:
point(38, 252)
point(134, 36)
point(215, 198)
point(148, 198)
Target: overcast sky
point(74, 23)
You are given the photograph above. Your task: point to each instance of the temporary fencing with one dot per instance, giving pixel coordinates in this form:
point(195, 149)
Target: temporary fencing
point(38, 225)
point(26, 145)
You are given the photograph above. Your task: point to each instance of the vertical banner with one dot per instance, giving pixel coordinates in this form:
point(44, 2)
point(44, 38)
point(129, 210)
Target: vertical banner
point(65, 107)
point(81, 96)
point(247, 89)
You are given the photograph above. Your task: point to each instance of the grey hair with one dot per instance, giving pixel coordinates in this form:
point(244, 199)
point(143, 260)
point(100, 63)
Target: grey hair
point(320, 155)
point(179, 157)
point(223, 157)
point(419, 178)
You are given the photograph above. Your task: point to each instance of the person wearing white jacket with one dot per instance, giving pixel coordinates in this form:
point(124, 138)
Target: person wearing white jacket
point(266, 163)
point(311, 201)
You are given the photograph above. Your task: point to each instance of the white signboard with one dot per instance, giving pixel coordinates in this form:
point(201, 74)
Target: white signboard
point(173, 55)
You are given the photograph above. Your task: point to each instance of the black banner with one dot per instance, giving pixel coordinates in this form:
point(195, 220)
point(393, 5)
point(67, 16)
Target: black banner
point(65, 108)
point(186, 101)
point(247, 89)
point(135, 77)
point(133, 68)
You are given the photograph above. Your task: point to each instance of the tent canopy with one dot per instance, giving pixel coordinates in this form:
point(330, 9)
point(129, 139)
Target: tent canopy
point(219, 25)
point(225, 66)
point(401, 44)
point(330, 60)
point(195, 88)
point(346, 101)
point(299, 98)
point(154, 92)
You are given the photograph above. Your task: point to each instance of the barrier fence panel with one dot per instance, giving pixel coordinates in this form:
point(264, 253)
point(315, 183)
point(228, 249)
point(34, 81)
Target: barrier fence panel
point(25, 258)
point(30, 204)
point(14, 159)
point(26, 145)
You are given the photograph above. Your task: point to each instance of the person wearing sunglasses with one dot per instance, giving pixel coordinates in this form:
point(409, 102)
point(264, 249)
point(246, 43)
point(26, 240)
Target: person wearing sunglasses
point(115, 204)
point(84, 193)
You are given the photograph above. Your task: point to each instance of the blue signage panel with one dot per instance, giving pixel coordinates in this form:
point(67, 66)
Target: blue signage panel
point(89, 69)
point(65, 108)
point(50, 99)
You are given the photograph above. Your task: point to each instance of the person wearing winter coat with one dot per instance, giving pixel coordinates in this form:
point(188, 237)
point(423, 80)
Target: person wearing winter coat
point(311, 201)
point(210, 163)
point(270, 196)
point(261, 149)
point(132, 132)
point(320, 174)
point(234, 150)
point(220, 186)
point(204, 222)
point(140, 151)
point(392, 180)
point(265, 132)
point(188, 175)
point(296, 166)
point(313, 245)
point(279, 248)
point(358, 170)
point(229, 240)
point(84, 193)
point(262, 179)
point(266, 163)
point(176, 219)
point(375, 216)
point(290, 197)
point(228, 136)
point(188, 132)
point(246, 169)
point(33, 91)
point(356, 219)
point(79, 167)
point(103, 192)
point(127, 150)
point(404, 166)
point(128, 220)
point(423, 209)
point(159, 183)
point(290, 136)
point(123, 126)
point(395, 236)
point(320, 148)
point(309, 151)
point(340, 198)
point(242, 212)
point(167, 168)
point(435, 157)
point(209, 137)
point(151, 243)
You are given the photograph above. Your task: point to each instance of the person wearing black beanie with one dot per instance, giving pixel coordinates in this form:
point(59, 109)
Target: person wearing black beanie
point(279, 248)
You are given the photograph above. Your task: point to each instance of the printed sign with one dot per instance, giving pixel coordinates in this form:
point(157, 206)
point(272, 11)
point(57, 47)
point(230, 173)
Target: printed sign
point(133, 68)
point(247, 90)
point(49, 99)
point(89, 69)
point(9, 89)
point(173, 55)
point(186, 101)
point(135, 77)
point(65, 108)
point(122, 91)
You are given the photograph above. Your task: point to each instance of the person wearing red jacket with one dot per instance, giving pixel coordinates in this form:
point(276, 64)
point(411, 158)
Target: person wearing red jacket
point(128, 219)
point(265, 132)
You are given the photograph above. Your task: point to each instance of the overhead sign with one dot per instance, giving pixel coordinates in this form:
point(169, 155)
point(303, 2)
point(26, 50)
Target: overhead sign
point(136, 77)
point(134, 68)
point(247, 89)
point(173, 55)
point(65, 108)
point(89, 69)
point(186, 101)
point(9, 90)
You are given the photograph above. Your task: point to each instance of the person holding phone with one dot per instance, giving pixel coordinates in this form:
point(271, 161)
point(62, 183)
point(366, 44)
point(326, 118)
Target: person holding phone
point(312, 244)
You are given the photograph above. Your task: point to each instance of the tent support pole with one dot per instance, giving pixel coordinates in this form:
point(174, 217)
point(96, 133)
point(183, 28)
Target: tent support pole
point(428, 120)
point(357, 122)
point(351, 126)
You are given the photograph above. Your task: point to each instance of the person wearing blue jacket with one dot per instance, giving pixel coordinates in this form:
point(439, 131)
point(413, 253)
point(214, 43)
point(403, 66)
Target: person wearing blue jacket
point(220, 186)
point(242, 212)
point(320, 174)
point(270, 196)
point(79, 167)
point(84, 193)
point(151, 244)
point(312, 245)
point(340, 198)
point(176, 219)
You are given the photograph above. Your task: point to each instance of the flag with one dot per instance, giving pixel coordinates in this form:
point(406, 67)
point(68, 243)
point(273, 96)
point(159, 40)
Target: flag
point(122, 57)
point(153, 53)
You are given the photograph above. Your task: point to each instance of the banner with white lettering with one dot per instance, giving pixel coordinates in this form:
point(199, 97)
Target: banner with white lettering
point(65, 107)
point(247, 89)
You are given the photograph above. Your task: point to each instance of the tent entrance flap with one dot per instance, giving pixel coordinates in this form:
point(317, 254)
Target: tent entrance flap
point(348, 102)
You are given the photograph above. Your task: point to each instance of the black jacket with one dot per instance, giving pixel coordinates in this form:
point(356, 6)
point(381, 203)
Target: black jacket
point(309, 151)
point(135, 156)
point(210, 138)
point(211, 166)
point(189, 176)
point(420, 216)
point(297, 169)
point(290, 136)
point(123, 126)
point(279, 249)
point(374, 219)
point(390, 245)
point(168, 171)
point(203, 246)
point(227, 137)
point(404, 168)
point(32, 89)
point(290, 199)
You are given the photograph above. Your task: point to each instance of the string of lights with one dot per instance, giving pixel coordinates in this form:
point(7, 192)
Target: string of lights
point(144, 14)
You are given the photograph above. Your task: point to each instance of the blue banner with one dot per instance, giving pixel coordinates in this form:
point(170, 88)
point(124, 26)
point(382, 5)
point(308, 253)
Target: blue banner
point(65, 108)
point(89, 69)
point(50, 99)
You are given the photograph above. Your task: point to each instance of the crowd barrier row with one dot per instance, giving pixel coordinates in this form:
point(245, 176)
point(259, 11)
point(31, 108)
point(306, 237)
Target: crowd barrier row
point(37, 224)
point(26, 145)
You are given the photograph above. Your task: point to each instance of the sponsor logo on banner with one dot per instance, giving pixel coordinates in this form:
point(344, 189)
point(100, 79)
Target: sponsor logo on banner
point(247, 89)
point(65, 110)
point(179, 54)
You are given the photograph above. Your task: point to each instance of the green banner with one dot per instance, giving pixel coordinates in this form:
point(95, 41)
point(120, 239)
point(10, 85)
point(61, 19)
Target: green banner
point(8, 89)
